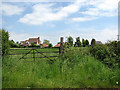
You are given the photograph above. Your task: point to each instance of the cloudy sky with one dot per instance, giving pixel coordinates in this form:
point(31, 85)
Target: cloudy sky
point(52, 19)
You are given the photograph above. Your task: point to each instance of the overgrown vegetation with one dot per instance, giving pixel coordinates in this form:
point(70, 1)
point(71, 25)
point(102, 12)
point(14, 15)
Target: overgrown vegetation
point(108, 53)
point(81, 66)
point(75, 69)
point(5, 41)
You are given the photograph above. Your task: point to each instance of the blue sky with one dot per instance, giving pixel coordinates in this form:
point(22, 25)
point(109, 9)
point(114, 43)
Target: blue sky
point(50, 20)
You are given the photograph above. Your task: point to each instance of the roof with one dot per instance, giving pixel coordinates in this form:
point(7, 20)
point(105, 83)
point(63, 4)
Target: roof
point(32, 40)
point(98, 42)
point(58, 45)
point(45, 45)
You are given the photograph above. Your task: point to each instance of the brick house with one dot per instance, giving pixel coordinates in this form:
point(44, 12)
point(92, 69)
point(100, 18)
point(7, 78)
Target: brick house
point(28, 42)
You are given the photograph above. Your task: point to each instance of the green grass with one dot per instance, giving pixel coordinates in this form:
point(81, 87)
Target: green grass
point(75, 69)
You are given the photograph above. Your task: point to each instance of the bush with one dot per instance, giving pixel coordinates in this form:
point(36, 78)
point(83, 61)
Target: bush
point(13, 44)
point(50, 45)
point(106, 53)
point(5, 42)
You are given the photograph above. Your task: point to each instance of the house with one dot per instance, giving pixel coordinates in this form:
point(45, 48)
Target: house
point(98, 42)
point(28, 42)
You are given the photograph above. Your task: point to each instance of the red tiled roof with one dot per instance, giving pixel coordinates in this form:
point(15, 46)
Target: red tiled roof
point(58, 45)
point(45, 45)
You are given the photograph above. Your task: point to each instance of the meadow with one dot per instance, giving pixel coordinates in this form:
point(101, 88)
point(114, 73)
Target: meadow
point(76, 68)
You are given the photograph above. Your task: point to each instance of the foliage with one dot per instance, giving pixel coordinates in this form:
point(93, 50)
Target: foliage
point(86, 42)
point(77, 43)
point(108, 53)
point(5, 42)
point(70, 41)
point(13, 44)
point(50, 45)
point(75, 69)
point(83, 42)
point(46, 42)
point(93, 42)
point(32, 45)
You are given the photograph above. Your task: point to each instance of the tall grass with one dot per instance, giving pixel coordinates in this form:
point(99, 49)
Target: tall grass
point(75, 69)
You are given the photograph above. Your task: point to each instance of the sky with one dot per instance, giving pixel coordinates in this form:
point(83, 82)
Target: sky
point(54, 19)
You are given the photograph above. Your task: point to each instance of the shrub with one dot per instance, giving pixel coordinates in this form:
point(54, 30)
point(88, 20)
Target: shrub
point(50, 45)
point(105, 54)
point(5, 42)
point(13, 44)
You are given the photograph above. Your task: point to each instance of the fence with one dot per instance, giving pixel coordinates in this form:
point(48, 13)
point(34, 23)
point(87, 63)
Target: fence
point(35, 51)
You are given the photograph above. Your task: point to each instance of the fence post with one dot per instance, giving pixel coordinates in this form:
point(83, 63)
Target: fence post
point(34, 54)
point(61, 46)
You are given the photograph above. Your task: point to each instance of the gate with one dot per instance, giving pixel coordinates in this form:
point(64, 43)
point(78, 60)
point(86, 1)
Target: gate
point(35, 51)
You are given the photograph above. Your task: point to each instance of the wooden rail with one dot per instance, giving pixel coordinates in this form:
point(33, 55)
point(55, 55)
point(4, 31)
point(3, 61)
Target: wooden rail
point(32, 48)
point(35, 51)
point(32, 53)
point(39, 57)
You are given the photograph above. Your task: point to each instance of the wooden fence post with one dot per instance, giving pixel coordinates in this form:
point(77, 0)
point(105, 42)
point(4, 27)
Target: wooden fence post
point(61, 46)
point(34, 54)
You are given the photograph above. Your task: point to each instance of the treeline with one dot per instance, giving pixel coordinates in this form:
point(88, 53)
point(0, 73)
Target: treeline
point(79, 43)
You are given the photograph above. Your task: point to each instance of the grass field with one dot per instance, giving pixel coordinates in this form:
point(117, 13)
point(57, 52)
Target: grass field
point(75, 69)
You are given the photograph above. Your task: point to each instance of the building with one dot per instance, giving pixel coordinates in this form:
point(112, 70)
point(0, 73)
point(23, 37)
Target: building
point(36, 41)
point(98, 42)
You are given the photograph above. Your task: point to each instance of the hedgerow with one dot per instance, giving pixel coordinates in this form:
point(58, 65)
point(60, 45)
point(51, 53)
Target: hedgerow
point(107, 53)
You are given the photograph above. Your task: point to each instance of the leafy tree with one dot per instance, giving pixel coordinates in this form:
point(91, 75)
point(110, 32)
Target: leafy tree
point(46, 42)
point(77, 43)
point(17, 42)
point(5, 42)
point(93, 42)
point(83, 42)
point(86, 42)
point(32, 45)
point(13, 44)
point(70, 41)
point(50, 45)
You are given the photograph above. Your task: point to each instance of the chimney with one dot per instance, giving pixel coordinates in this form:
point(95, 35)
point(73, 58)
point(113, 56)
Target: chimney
point(38, 40)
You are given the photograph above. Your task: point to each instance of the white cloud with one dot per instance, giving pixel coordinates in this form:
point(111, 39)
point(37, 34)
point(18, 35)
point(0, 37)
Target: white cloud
point(102, 8)
point(81, 19)
point(44, 13)
point(38, 0)
point(9, 9)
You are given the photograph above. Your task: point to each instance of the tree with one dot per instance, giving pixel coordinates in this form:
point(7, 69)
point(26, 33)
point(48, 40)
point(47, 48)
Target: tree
point(83, 43)
point(13, 44)
point(77, 43)
point(50, 45)
point(46, 42)
point(32, 45)
point(86, 42)
point(70, 40)
point(5, 41)
point(17, 42)
point(93, 42)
